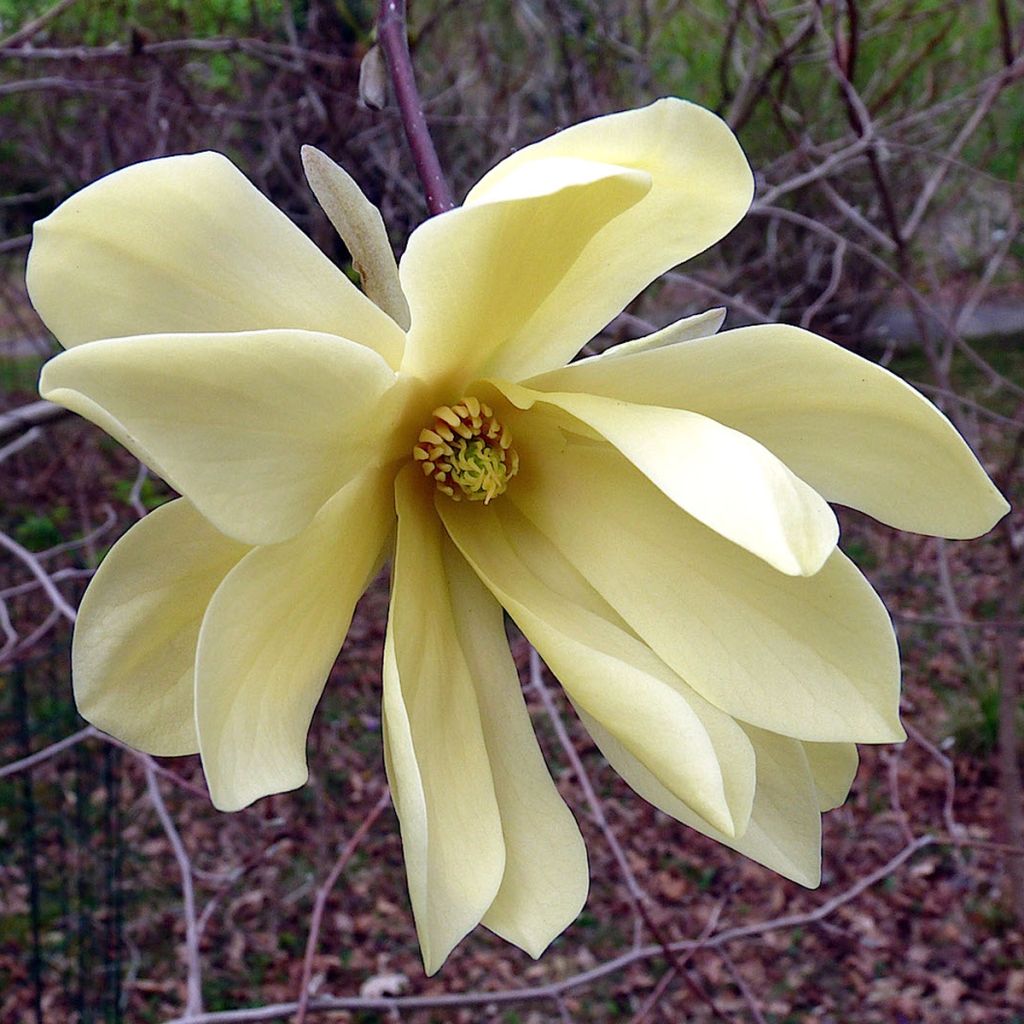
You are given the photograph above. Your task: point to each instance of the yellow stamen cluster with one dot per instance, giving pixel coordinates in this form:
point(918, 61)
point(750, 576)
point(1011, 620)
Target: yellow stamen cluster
point(467, 451)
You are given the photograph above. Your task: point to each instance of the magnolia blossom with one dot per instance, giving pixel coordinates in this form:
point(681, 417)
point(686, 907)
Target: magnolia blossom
point(655, 519)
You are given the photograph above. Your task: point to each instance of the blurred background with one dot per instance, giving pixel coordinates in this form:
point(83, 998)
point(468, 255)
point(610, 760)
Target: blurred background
point(887, 140)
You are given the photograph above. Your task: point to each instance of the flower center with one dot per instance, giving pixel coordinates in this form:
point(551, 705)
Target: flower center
point(467, 451)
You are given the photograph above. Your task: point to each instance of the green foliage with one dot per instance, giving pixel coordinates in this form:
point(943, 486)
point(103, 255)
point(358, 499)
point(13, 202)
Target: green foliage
point(98, 23)
point(152, 494)
point(910, 51)
point(39, 531)
point(976, 720)
point(858, 549)
point(18, 374)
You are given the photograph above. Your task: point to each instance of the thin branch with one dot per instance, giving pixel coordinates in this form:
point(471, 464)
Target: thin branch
point(26, 763)
point(548, 992)
point(28, 416)
point(9, 449)
point(597, 810)
point(322, 895)
point(194, 980)
point(30, 28)
point(394, 42)
point(32, 562)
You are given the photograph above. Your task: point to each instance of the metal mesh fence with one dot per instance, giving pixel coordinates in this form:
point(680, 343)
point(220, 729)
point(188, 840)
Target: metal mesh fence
point(63, 853)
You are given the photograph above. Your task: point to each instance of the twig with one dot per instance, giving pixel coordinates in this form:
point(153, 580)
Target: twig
point(666, 979)
point(394, 42)
point(322, 895)
point(956, 616)
point(1010, 782)
point(32, 562)
point(744, 988)
point(548, 992)
point(829, 291)
point(597, 810)
point(30, 28)
point(194, 978)
point(1009, 75)
point(17, 444)
point(26, 763)
point(31, 415)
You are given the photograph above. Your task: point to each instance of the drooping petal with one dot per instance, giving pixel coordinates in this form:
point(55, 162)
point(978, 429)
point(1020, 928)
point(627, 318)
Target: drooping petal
point(258, 430)
point(546, 879)
point(437, 756)
point(361, 228)
point(784, 832)
point(809, 657)
point(183, 244)
point(134, 650)
point(695, 750)
point(269, 639)
point(479, 278)
point(833, 769)
point(856, 433)
point(701, 186)
point(721, 477)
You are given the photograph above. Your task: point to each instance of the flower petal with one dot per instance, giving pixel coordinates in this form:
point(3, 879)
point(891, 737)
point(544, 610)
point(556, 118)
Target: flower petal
point(134, 650)
point(809, 657)
point(701, 187)
point(701, 325)
point(833, 768)
point(723, 478)
point(784, 832)
point(270, 637)
point(546, 879)
point(258, 430)
point(856, 433)
point(698, 753)
point(479, 278)
point(437, 757)
point(184, 244)
point(361, 228)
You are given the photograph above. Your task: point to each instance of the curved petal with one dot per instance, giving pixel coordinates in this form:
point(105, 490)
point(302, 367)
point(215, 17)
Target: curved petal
point(701, 186)
point(437, 756)
point(361, 228)
point(183, 244)
point(134, 650)
point(833, 768)
point(698, 752)
point(546, 879)
point(809, 657)
point(724, 479)
point(258, 430)
point(700, 325)
point(784, 833)
point(856, 433)
point(270, 637)
point(478, 278)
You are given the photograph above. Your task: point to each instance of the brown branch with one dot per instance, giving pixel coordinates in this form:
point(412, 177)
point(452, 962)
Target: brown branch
point(639, 897)
point(550, 992)
point(394, 42)
point(30, 28)
point(1011, 784)
point(194, 979)
point(322, 895)
point(28, 416)
point(25, 763)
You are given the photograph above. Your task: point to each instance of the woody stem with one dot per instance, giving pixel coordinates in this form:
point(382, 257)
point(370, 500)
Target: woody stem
point(392, 36)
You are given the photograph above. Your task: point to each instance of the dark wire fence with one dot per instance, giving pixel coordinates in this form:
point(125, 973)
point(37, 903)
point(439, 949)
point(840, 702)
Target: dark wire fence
point(67, 923)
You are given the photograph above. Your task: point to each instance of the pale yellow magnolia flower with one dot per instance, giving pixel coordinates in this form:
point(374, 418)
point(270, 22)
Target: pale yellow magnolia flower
point(655, 519)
